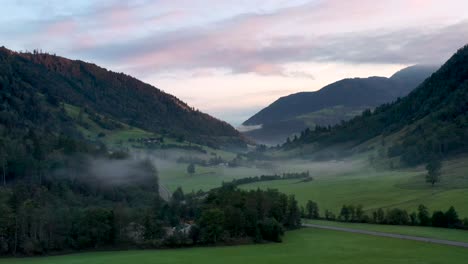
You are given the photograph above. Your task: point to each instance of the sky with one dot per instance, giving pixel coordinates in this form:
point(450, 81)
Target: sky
point(231, 58)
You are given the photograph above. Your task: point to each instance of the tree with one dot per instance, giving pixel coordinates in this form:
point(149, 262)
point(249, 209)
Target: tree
point(438, 219)
point(152, 226)
point(414, 218)
point(345, 213)
point(178, 195)
point(379, 216)
point(293, 219)
point(433, 171)
point(211, 225)
point(360, 216)
point(423, 215)
point(312, 210)
point(397, 217)
point(191, 169)
point(352, 213)
point(271, 230)
point(451, 217)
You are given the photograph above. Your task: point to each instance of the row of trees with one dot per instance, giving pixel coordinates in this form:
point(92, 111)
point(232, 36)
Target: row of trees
point(394, 216)
point(262, 178)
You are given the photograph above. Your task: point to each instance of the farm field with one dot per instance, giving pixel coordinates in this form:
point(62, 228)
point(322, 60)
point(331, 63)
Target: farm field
point(300, 246)
point(429, 232)
point(381, 189)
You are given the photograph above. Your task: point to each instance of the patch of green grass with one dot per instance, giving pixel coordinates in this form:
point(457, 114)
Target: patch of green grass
point(114, 137)
point(206, 178)
point(334, 113)
point(300, 246)
point(429, 232)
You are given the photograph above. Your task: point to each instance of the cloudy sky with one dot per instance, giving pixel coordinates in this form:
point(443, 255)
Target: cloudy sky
point(231, 58)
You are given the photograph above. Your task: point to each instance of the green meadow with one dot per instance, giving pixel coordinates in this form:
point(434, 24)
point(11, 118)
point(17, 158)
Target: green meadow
point(300, 246)
point(380, 189)
point(175, 175)
point(341, 182)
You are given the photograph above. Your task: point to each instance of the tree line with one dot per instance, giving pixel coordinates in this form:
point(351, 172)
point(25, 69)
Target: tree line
point(394, 216)
point(285, 176)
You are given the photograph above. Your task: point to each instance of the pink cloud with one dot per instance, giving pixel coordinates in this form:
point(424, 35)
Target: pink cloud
point(61, 28)
point(261, 43)
point(268, 69)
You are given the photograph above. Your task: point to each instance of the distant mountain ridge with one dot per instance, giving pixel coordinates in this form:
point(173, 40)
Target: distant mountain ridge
point(118, 96)
point(429, 123)
point(333, 103)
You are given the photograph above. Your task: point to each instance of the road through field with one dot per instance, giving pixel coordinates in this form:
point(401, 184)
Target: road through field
point(382, 234)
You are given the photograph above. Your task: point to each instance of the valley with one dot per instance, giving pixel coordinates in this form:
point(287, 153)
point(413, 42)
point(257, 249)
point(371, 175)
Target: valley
point(97, 166)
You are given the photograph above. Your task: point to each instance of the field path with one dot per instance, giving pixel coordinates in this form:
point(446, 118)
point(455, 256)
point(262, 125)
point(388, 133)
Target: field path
point(382, 234)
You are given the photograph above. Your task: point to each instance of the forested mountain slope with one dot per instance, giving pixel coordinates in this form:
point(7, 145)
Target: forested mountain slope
point(432, 120)
point(333, 103)
point(61, 192)
point(117, 96)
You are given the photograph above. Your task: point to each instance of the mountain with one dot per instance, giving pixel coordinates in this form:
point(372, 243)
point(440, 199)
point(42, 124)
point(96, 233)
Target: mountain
point(62, 191)
point(116, 96)
point(431, 122)
point(333, 103)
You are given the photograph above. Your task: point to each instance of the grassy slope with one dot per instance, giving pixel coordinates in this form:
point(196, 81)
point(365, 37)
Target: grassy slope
point(112, 137)
point(373, 189)
point(430, 232)
point(334, 114)
point(301, 246)
point(120, 137)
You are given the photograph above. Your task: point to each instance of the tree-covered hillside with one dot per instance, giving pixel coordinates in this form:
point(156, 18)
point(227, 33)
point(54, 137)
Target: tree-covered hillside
point(432, 120)
point(60, 191)
point(117, 96)
point(332, 104)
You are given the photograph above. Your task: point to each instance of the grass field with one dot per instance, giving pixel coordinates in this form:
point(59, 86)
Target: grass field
point(300, 246)
point(381, 189)
point(345, 182)
point(429, 232)
point(206, 178)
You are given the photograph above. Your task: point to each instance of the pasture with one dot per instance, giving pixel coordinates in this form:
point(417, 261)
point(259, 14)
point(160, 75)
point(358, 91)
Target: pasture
point(300, 246)
point(355, 183)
